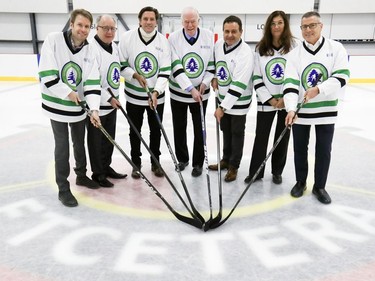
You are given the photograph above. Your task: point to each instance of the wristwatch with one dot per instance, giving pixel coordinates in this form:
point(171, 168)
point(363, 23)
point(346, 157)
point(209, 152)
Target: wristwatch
point(222, 108)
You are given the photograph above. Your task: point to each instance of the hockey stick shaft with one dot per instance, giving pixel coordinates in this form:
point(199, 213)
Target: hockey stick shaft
point(151, 153)
point(195, 211)
point(204, 134)
point(217, 219)
point(182, 218)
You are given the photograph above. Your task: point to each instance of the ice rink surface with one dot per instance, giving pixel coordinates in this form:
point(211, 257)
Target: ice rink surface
point(127, 233)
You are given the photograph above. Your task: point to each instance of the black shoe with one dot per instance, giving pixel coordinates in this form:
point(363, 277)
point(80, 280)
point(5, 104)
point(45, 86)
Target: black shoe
point(157, 171)
point(135, 173)
point(322, 195)
point(102, 181)
point(114, 175)
point(182, 165)
point(197, 171)
point(298, 189)
point(85, 181)
point(248, 179)
point(67, 199)
point(277, 179)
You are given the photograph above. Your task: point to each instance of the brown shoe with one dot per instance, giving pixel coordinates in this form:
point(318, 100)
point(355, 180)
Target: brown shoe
point(157, 171)
point(231, 174)
point(223, 165)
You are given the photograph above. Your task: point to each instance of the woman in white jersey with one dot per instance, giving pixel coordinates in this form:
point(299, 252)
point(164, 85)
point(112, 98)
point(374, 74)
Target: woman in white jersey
point(270, 58)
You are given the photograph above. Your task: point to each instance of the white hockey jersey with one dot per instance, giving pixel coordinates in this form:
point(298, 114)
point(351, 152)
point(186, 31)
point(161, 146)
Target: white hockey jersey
point(150, 59)
point(233, 70)
point(108, 59)
point(63, 69)
point(302, 69)
point(268, 78)
point(192, 64)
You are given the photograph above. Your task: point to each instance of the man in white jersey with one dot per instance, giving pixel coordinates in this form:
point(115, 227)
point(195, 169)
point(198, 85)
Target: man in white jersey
point(99, 147)
point(234, 63)
point(316, 56)
point(69, 74)
point(145, 58)
point(192, 71)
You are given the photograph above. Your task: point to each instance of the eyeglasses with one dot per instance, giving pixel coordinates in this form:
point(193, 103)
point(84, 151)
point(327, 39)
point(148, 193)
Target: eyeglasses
point(311, 25)
point(108, 28)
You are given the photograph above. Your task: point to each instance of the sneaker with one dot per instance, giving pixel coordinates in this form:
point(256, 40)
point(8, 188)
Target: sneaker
point(157, 171)
point(231, 174)
point(85, 181)
point(223, 165)
point(197, 171)
point(182, 165)
point(67, 199)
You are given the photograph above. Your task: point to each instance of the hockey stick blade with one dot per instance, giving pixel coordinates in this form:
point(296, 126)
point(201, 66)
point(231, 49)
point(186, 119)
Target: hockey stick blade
point(193, 222)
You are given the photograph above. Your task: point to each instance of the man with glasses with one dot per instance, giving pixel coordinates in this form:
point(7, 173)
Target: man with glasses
point(192, 71)
point(68, 75)
point(107, 56)
point(316, 72)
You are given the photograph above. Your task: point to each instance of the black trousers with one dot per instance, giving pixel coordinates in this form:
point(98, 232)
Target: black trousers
point(323, 146)
point(179, 116)
point(62, 149)
point(233, 128)
point(135, 113)
point(99, 147)
point(262, 134)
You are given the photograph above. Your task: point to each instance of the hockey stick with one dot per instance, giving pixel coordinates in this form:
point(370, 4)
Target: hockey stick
point(217, 219)
point(288, 127)
point(195, 211)
point(204, 133)
point(182, 218)
point(152, 154)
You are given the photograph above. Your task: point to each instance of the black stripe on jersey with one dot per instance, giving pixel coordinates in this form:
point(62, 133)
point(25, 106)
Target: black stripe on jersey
point(342, 81)
point(173, 91)
point(234, 93)
point(317, 115)
point(92, 92)
point(242, 106)
point(257, 86)
point(163, 75)
point(290, 90)
point(178, 72)
point(136, 97)
point(106, 107)
point(211, 71)
point(52, 82)
point(63, 112)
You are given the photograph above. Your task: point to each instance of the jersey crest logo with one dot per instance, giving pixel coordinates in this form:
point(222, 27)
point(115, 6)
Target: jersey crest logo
point(275, 69)
point(310, 74)
point(113, 75)
point(146, 64)
point(71, 75)
point(222, 74)
point(193, 65)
